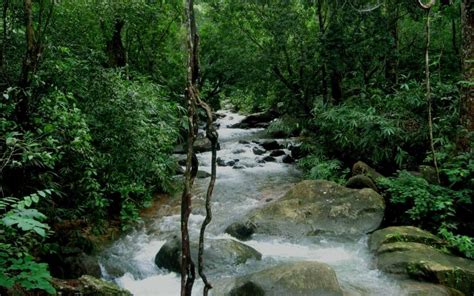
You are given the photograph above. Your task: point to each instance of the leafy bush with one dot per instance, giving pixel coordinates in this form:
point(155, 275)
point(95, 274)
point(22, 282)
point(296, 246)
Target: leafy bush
point(21, 229)
point(133, 128)
point(320, 168)
point(386, 130)
point(430, 206)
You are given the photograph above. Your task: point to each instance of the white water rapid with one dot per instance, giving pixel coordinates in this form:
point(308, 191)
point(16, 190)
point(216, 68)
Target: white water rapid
point(130, 260)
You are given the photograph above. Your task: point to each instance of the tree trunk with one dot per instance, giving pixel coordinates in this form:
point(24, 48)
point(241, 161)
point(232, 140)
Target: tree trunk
point(336, 90)
point(467, 92)
point(391, 63)
point(28, 65)
point(115, 49)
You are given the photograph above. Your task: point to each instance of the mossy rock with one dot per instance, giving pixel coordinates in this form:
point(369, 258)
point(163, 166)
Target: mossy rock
point(296, 278)
point(88, 286)
point(414, 288)
point(403, 234)
point(315, 207)
point(425, 263)
point(361, 168)
point(217, 252)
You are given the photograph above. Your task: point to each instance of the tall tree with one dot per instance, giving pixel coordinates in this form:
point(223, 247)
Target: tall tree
point(467, 95)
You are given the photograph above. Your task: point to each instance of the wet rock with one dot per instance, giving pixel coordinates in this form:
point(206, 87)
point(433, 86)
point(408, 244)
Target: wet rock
point(313, 207)
point(402, 234)
point(88, 286)
point(414, 288)
point(244, 142)
point(260, 160)
point(287, 159)
point(361, 168)
point(202, 175)
point(414, 253)
point(217, 115)
point(271, 145)
point(238, 167)
point(256, 120)
point(218, 252)
point(276, 153)
point(296, 151)
point(242, 231)
point(269, 159)
point(295, 278)
point(361, 181)
point(220, 162)
point(258, 151)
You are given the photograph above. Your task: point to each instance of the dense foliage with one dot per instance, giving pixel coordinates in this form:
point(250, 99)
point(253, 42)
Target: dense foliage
point(91, 106)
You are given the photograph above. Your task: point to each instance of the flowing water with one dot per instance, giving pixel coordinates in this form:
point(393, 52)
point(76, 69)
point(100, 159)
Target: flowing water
point(237, 192)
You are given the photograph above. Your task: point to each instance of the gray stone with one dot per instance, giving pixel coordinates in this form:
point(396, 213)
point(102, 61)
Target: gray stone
point(242, 231)
point(295, 278)
point(218, 252)
point(414, 253)
point(361, 181)
point(88, 286)
point(315, 207)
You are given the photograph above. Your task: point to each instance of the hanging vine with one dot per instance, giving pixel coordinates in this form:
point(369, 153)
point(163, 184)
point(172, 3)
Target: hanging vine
point(429, 99)
point(193, 101)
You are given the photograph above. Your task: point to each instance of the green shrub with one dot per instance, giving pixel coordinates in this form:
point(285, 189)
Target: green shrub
point(320, 168)
point(430, 206)
point(22, 228)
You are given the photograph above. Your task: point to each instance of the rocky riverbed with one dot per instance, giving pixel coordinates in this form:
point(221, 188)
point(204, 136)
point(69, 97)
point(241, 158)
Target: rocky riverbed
point(274, 233)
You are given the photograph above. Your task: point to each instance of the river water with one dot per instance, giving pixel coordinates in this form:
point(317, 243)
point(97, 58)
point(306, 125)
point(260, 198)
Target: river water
point(130, 260)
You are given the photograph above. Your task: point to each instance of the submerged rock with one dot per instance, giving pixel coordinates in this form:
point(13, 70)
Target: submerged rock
point(218, 252)
point(416, 253)
point(315, 207)
point(295, 278)
point(88, 286)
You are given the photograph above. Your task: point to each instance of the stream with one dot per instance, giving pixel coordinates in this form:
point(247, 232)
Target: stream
point(130, 260)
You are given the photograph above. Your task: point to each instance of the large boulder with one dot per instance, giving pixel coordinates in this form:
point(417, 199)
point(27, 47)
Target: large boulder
point(88, 286)
point(395, 234)
point(414, 288)
point(314, 207)
point(296, 278)
point(417, 254)
point(217, 252)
